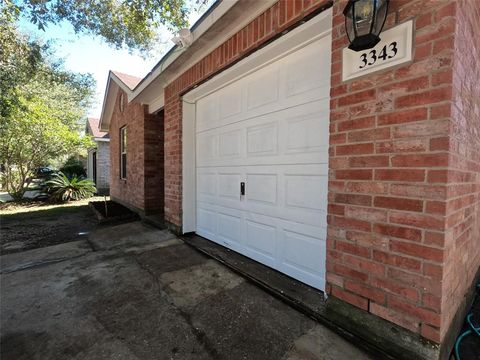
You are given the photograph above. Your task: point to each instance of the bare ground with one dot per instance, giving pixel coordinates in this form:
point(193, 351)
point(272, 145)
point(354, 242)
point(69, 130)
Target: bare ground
point(33, 224)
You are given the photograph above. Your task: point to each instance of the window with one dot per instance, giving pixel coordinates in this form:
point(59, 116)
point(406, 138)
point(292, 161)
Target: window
point(123, 152)
point(94, 167)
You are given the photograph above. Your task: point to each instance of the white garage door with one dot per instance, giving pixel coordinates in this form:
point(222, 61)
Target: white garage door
point(269, 130)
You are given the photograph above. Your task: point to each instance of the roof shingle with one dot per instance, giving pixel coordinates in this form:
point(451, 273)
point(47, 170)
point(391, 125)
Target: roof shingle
point(93, 126)
point(129, 80)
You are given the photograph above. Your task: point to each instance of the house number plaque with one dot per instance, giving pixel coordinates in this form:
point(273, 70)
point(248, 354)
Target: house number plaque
point(395, 48)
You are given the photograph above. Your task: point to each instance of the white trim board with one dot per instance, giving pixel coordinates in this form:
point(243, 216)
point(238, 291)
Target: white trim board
point(151, 90)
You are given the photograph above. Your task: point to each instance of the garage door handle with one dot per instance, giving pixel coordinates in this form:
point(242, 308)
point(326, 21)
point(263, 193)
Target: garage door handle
point(242, 188)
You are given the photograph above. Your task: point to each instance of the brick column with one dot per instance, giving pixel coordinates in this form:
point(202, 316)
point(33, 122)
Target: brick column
point(154, 157)
point(389, 233)
point(173, 156)
point(462, 209)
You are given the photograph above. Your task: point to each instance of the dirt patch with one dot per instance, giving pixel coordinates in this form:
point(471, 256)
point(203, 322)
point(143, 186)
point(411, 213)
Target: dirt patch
point(30, 225)
point(24, 205)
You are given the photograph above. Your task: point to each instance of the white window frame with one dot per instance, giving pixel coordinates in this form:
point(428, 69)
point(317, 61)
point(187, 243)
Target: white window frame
point(123, 152)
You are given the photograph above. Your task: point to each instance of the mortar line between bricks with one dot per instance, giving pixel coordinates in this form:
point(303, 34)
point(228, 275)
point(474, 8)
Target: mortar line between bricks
point(199, 334)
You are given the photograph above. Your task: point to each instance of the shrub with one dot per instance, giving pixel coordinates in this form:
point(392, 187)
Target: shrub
point(61, 188)
point(73, 168)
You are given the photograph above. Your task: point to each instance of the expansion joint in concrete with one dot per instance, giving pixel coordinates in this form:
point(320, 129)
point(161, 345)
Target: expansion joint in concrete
point(199, 334)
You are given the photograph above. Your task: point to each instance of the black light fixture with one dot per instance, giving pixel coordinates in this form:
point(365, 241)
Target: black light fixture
point(364, 20)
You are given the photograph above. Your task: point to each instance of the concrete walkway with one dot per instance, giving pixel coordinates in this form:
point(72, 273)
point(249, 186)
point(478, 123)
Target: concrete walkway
point(135, 292)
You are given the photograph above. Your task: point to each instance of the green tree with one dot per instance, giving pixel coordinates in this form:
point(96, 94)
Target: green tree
point(121, 23)
point(41, 107)
point(19, 60)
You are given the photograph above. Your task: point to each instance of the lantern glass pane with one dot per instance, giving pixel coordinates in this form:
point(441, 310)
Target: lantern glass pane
point(381, 16)
point(363, 13)
point(349, 27)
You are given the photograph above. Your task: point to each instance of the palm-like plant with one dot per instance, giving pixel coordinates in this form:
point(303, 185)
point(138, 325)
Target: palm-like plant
point(62, 188)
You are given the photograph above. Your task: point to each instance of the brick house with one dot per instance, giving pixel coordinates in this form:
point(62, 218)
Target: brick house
point(366, 189)
point(98, 158)
point(137, 183)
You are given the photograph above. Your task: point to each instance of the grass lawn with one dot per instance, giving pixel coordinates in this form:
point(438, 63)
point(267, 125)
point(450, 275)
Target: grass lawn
point(33, 224)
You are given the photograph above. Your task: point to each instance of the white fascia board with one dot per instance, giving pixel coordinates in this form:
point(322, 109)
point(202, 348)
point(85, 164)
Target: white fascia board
point(206, 23)
point(156, 104)
point(104, 105)
point(161, 78)
point(101, 139)
point(109, 102)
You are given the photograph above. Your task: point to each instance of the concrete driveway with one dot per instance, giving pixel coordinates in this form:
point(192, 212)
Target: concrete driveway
point(135, 292)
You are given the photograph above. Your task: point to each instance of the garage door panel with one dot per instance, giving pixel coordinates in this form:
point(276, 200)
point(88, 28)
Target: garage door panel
point(277, 194)
point(220, 186)
point(262, 140)
point(260, 241)
point(305, 133)
point(206, 222)
point(296, 79)
point(230, 144)
point(228, 185)
point(269, 129)
point(229, 227)
point(262, 188)
point(313, 218)
point(301, 252)
point(206, 148)
point(307, 70)
point(230, 103)
point(206, 184)
point(306, 192)
point(293, 136)
point(207, 114)
point(262, 87)
point(301, 257)
point(293, 104)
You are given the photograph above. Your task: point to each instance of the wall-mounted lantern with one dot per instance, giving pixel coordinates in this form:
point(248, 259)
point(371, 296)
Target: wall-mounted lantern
point(364, 20)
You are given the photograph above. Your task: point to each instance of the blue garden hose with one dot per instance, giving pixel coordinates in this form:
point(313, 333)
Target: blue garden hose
point(473, 330)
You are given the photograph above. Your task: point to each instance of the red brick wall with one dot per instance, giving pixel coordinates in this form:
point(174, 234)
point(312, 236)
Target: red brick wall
point(130, 191)
point(173, 157)
point(143, 188)
point(273, 21)
point(462, 241)
point(392, 224)
point(390, 234)
point(154, 160)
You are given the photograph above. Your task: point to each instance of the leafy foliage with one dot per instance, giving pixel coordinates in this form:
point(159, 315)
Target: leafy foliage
point(130, 23)
point(19, 61)
point(73, 167)
point(62, 188)
point(41, 106)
